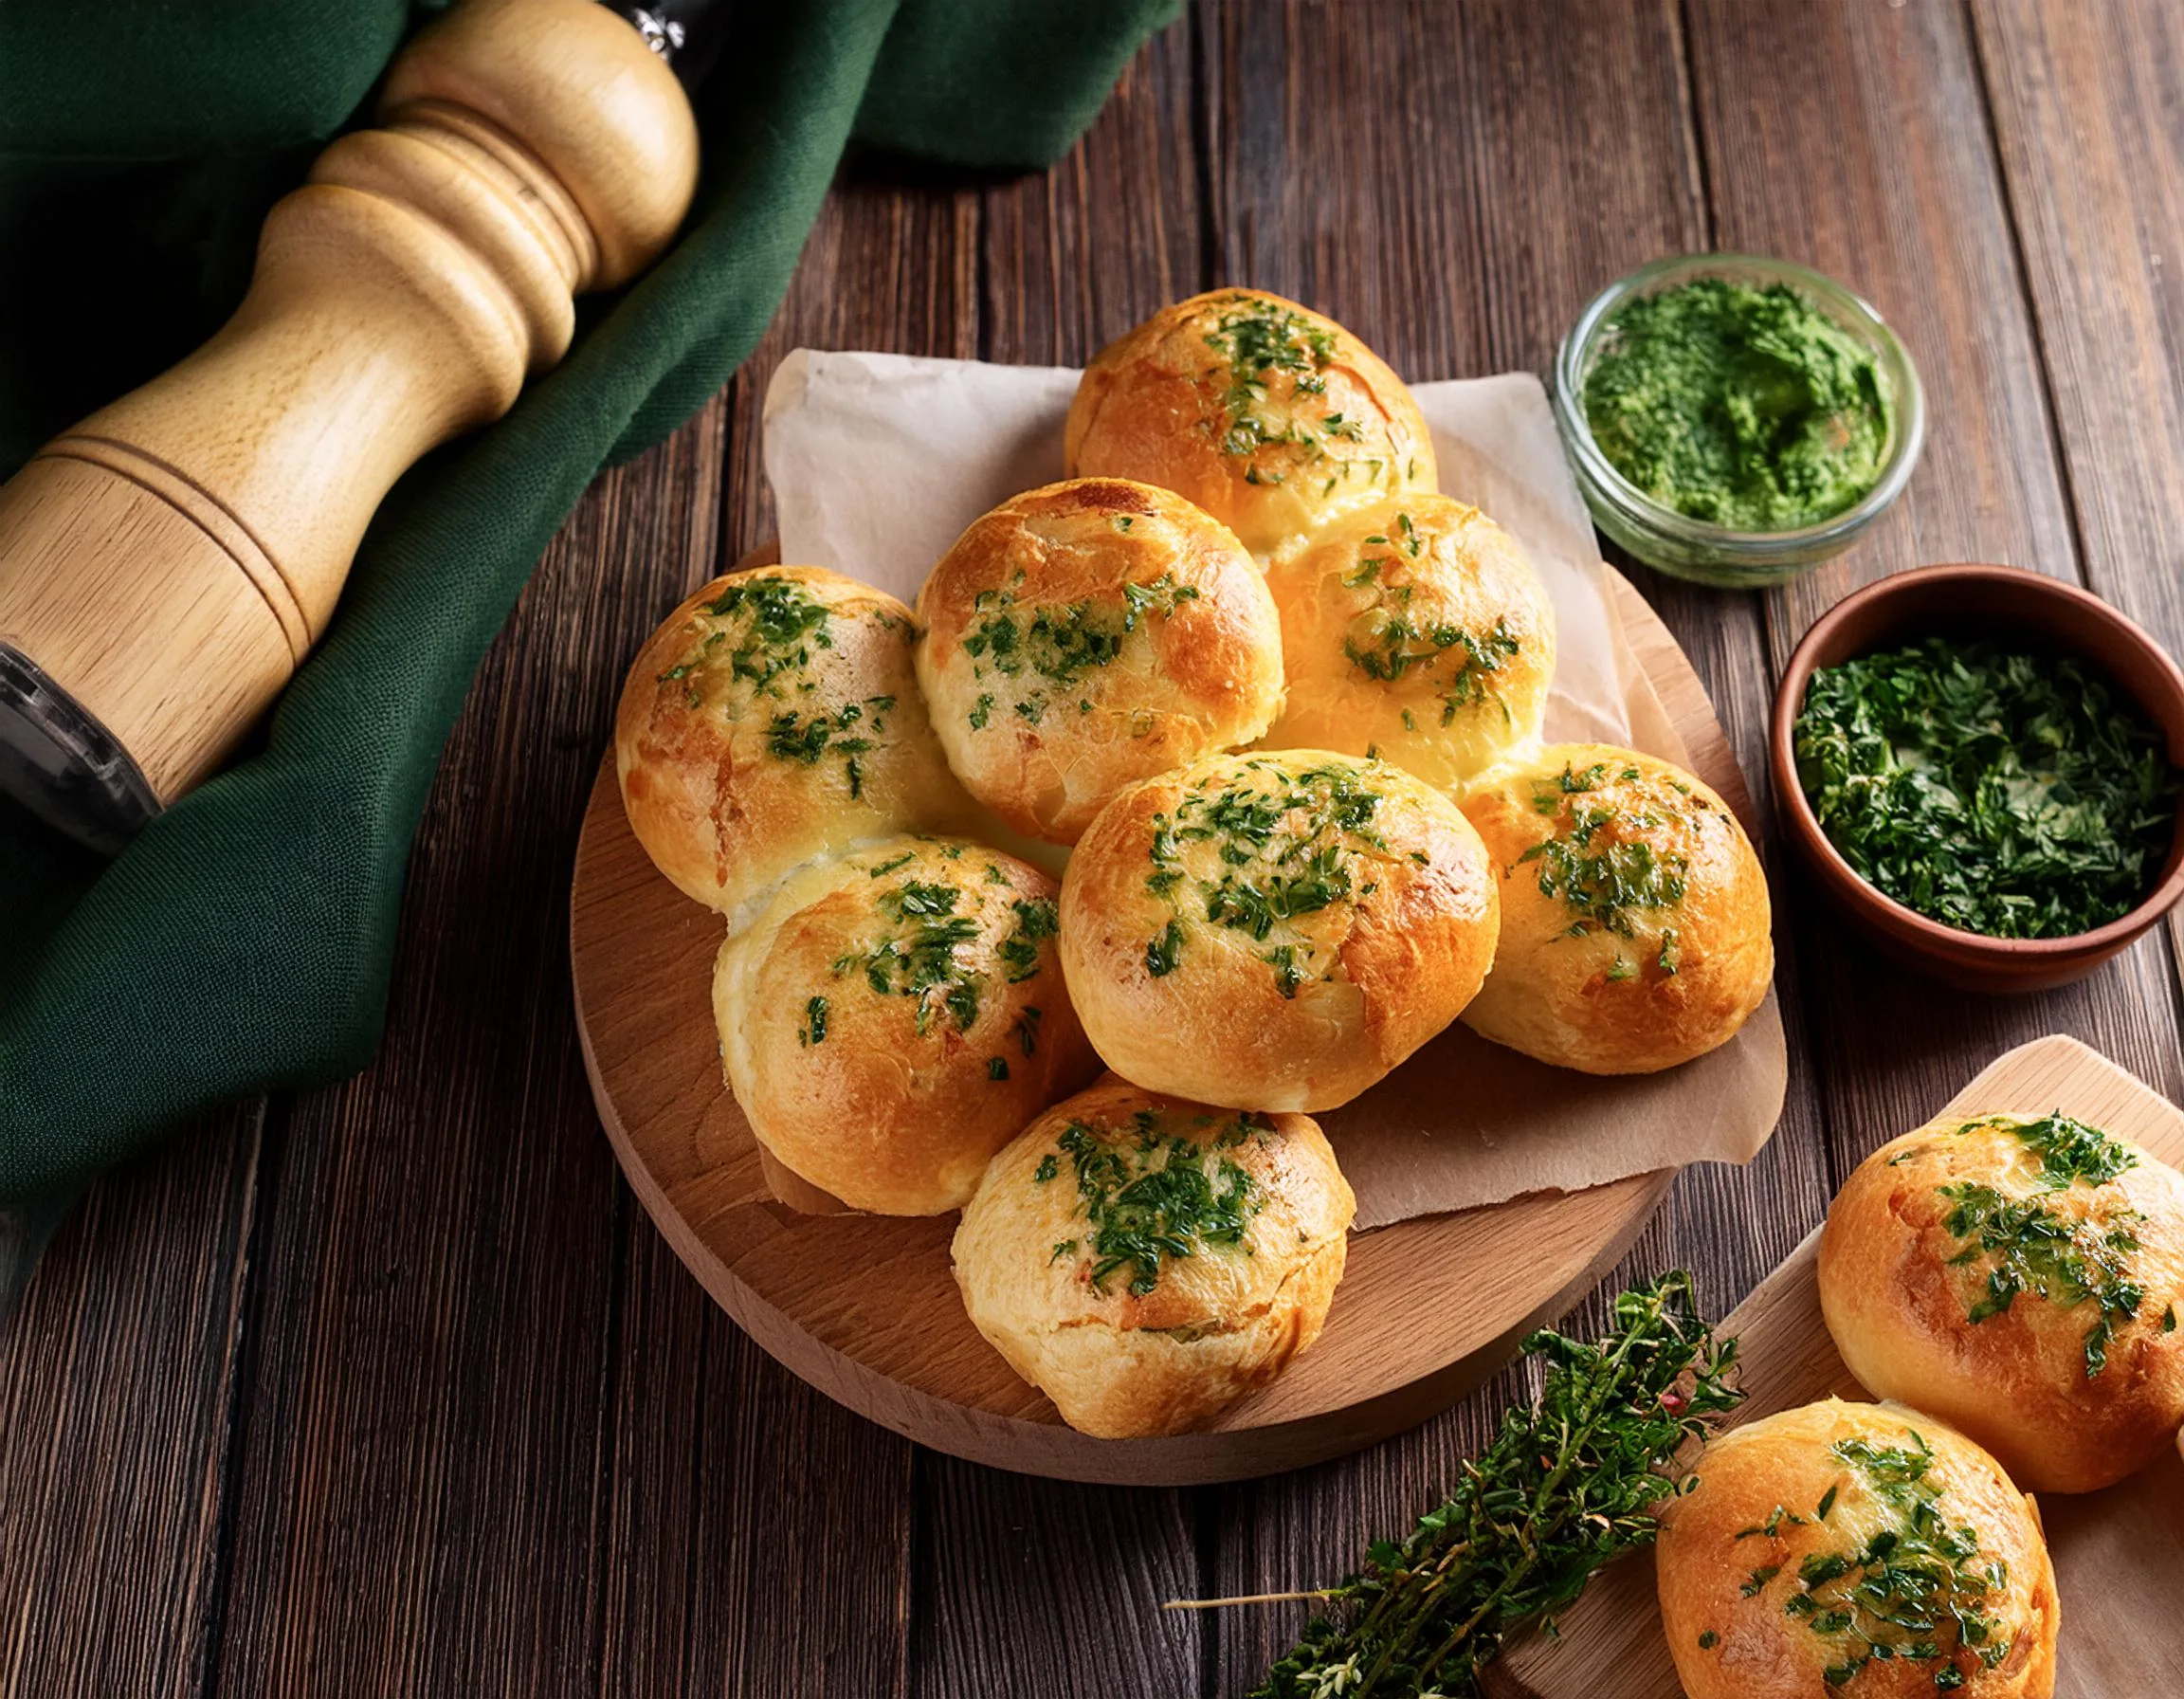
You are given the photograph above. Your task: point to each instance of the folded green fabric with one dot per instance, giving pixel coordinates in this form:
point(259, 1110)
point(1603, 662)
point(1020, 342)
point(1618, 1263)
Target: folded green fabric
point(243, 942)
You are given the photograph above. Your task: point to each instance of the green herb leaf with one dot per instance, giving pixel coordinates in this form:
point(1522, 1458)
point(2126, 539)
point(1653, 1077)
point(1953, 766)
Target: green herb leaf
point(2013, 794)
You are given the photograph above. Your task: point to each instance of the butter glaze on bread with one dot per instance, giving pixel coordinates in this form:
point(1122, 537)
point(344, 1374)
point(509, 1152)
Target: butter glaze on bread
point(1414, 627)
point(1634, 915)
point(1270, 417)
point(1124, 1348)
point(1933, 1227)
point(1274, 931)
point(1759, 1566)
point(775, 718)
point(895, 1016)
point(1084, 635)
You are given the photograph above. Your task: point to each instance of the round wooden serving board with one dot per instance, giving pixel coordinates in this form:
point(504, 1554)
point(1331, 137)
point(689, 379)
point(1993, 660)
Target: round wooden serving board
point(864, 1308)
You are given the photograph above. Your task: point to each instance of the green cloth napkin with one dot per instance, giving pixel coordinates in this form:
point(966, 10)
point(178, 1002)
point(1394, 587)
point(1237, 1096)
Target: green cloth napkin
point(243, 942)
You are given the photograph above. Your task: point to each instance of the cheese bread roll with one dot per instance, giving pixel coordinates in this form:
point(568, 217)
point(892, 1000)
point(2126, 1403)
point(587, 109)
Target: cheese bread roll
point(1413, 628)
point(1274, 931)
point(2021, 1277)
point(772, 717)
point(1270, 417)
point(1863, 1549)
point(894, 1017)
point(1634, 914)
point(1089, 634)
point(1146, 1261)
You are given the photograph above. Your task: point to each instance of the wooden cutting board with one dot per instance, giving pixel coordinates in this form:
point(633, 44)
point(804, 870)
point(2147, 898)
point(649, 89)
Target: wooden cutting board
point(864, 1308)
point(2119, 1554)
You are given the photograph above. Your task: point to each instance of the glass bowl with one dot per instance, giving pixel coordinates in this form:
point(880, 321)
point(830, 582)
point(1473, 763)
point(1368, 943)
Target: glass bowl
point(1695, 549)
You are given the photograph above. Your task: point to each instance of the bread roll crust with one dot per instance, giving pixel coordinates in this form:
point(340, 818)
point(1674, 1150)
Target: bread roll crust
point(1757, 1584)
point(1267, 415)
point(1906, 1262)
point(894, 1017)
point(1274, 931)
point(1123, 1350)
point(1089, 634)
point(1414, 627)
point(773, 718)
point(1635, 920)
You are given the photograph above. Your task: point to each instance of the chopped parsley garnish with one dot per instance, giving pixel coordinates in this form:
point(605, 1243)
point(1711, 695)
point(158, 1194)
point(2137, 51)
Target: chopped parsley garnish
point(1387, 640)
point(996, 1068)
point(2012, 794)
point(1275, 361)
point(1602, 877)
point(1037, 920)
point(1150, 1195)
point(1059, 643)
point(2028, 1245)
point(770, 629)
point(814, 1030)
point(1914, 1591)
point(1287, 845)
point(805, 737)
point(921, 956)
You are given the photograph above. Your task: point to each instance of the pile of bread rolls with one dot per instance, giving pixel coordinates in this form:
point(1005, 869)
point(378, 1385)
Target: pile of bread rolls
point(2011, 1286)
point(1280, 701)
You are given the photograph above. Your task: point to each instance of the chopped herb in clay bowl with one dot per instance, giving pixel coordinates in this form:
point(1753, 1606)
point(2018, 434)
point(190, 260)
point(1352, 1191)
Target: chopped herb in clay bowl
point(1981, 766)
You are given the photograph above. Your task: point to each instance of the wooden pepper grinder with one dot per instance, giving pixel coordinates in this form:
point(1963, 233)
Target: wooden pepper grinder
point(166, 564)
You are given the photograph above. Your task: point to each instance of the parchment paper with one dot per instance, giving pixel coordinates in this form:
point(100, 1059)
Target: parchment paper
point(878, 461)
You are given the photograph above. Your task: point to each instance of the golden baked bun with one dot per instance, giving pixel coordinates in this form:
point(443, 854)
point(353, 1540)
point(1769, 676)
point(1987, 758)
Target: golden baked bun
point(1146, 1261)
point(1634, 915)
point(1089, 634)
point(1863, 1549)
point(895, 1016)
point(772, 717)
point(1416, 629)
point(2022, 1278)
point(1268, 416)
point(1274, 931)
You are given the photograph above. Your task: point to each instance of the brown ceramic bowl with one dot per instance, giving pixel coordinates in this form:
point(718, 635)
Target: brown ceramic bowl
point(1976, 601)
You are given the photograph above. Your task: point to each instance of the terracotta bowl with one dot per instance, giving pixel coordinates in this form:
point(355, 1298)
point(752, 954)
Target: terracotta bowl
point(1976, 601)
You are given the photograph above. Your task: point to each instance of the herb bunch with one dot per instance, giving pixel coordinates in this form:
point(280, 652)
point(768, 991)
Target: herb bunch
point(2010, 794)
point(1568, 1485)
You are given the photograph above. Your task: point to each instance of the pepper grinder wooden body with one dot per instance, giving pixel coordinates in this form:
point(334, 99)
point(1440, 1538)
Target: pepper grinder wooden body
point(167, 563)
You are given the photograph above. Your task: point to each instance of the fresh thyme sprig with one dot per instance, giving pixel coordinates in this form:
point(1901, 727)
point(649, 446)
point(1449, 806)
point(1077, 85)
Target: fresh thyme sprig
point(1567, 1486)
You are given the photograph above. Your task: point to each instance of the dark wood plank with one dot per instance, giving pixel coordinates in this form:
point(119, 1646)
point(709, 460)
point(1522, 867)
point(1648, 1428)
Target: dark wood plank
point(421, 1444)
point(1855, 138)
point(116, 1381)
point(1071, 259)
point(760, 1535)
point(1455, 183)
point(2092, 145)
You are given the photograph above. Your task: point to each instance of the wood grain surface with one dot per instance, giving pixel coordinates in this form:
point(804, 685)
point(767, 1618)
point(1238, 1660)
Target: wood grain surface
point(389, 1389)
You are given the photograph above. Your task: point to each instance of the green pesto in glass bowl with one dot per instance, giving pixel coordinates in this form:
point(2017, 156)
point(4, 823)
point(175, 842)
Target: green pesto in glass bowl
point(1736, 420)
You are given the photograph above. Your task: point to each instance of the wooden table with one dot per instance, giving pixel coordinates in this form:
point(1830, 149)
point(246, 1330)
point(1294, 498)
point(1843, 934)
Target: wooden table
point(390, 1389)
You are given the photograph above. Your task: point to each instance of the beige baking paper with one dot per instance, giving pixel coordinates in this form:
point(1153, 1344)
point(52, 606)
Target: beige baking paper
point(878, 462)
